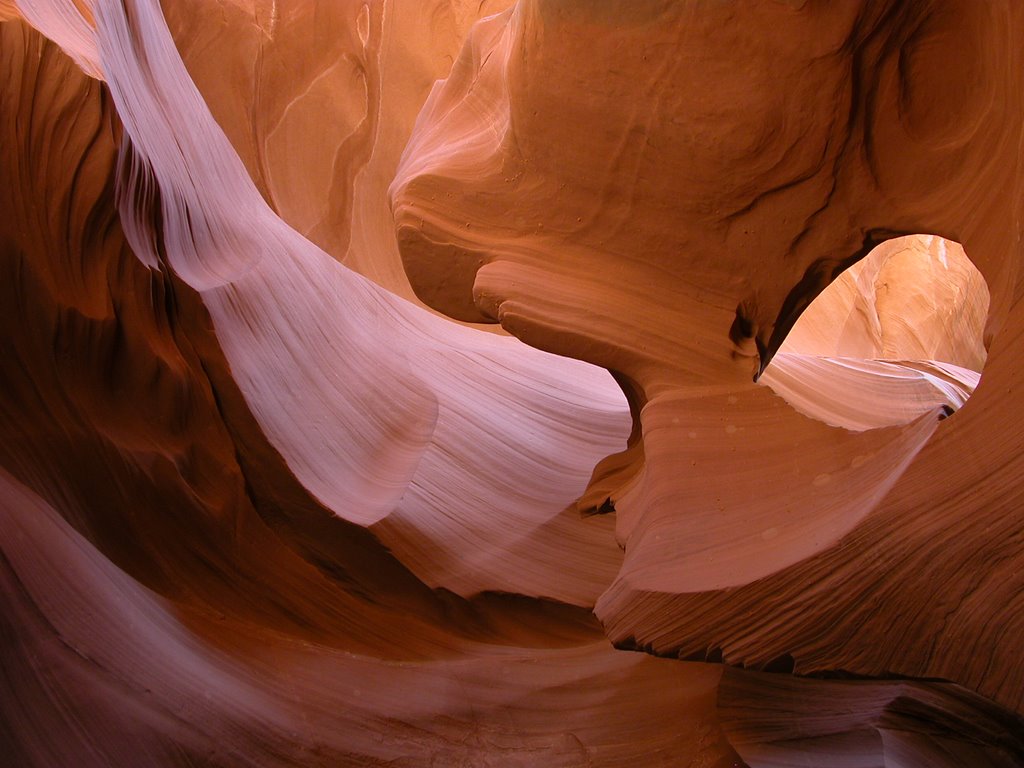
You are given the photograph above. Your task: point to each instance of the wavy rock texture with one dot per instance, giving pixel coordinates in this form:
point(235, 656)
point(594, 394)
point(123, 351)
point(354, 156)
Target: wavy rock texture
point(720, 195)
point(259, 508)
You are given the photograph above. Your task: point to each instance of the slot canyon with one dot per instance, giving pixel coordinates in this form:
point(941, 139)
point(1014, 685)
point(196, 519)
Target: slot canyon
point(457, 383)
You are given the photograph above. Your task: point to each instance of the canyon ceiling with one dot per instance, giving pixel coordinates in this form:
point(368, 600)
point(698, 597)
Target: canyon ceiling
point(491, 383)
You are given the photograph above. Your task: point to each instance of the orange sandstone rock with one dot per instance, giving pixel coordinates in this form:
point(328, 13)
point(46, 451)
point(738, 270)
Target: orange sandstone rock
point(257, 507)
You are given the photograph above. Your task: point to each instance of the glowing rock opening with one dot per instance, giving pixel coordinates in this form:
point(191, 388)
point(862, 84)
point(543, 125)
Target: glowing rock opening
point(898, 334)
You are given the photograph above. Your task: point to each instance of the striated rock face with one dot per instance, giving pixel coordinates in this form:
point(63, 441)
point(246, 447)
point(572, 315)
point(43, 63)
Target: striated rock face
point(261, 505)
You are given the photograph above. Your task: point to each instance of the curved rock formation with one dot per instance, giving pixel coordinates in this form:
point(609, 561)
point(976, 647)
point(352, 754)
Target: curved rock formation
point(691, 186)
point(258, 508)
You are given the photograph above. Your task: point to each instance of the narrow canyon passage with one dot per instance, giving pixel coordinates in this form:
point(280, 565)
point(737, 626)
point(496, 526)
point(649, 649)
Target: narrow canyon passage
point(537, 383)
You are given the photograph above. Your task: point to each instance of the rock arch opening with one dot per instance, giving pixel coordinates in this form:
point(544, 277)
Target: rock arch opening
point(898, 334)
